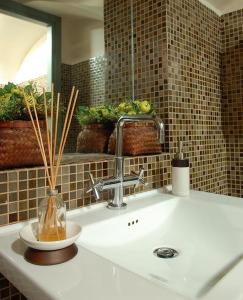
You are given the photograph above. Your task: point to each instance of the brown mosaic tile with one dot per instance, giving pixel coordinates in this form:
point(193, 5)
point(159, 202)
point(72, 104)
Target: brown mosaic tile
point(3, 187)
point(23, 205)
point(13, 207)
point(3, 177)
point(3, 198)
point(13, 218)
point(3, 209)
point(12, 176)
point(3, 220)
point(23, 215)
point(23, 175)
point(22, 195)
point(13, 197)
point(13, 186)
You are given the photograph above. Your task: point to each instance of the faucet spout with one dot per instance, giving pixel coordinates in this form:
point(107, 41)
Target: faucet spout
point(161, 129)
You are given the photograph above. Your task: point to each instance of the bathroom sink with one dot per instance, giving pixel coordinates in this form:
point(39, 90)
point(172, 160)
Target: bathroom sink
point(206, 233)
point(117, 256)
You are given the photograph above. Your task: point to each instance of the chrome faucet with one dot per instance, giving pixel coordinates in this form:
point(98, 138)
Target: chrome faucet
point(119, 180)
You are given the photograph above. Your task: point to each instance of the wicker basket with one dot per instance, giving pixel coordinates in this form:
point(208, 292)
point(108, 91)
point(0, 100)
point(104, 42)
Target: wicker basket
point(138, 138)
point(18, 144)
point(94, 138)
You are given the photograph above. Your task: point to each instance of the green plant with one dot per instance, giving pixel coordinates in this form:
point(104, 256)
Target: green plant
point(101, 114)
point(12, 104)
point(109, 113)
point(135, 107)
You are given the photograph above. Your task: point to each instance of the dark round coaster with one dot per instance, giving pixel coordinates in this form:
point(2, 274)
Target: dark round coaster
point(47, 258)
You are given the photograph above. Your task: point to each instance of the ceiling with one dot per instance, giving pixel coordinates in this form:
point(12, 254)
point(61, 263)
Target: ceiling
point(222, 7)
point(84, 9)
point(93, 9)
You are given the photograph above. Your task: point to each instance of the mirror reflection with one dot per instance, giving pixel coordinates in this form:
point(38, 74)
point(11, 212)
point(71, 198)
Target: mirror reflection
point(28, 61)
point(83, 58)
point(95, 58)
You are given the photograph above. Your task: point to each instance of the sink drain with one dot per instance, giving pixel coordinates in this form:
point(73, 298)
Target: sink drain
point(165, 252)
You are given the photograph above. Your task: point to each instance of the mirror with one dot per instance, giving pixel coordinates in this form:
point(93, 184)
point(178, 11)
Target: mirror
point(29, 61)
point(83, 51)
point(71, 43)
point(96, 59)
point(83, 58)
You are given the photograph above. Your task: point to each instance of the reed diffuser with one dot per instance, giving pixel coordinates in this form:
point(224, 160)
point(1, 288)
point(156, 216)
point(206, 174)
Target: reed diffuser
point(52, 209)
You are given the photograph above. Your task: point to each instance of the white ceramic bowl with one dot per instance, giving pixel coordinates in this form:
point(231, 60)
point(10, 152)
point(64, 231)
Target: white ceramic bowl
point(28, 235)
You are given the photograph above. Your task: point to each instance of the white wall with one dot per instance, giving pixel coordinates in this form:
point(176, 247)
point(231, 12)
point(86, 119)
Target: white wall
point(35, 63)
point(17, 37)
point(81, 40)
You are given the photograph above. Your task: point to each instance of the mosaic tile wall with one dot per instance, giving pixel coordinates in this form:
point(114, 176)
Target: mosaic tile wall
point(194, 91)
point(21, 190)
point(8, 291)
point(178, 67)
point(177, 64)
point(232, 74)
point(89, 77)
point(66, 76)
point(117, 22)
point(150, 54)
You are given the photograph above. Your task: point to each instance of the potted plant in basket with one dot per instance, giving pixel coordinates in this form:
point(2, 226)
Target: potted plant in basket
point(96, 128)
point(18, 145)
point(98, 133)
point(138, 138)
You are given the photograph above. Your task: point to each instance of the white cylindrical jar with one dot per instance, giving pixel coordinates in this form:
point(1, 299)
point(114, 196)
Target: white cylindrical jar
point(180, 174)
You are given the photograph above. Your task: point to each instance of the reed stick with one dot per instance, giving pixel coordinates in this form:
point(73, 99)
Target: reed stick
point(63, 133)
point(68, 126)
point(38, 140)
point(47, 127)
point(51, 130)
point(56, 124)
point(41, 139)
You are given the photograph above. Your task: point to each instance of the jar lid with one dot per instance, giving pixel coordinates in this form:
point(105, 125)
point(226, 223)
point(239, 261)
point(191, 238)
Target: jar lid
point(180, 163)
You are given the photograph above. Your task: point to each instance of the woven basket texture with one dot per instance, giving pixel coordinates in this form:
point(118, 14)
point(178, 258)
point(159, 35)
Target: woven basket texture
point(18, 144)
point(138, 139)
point(93, 138)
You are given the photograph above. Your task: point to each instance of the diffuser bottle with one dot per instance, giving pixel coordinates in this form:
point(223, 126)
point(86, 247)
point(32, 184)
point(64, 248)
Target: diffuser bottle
point(180, 174)
point(52, 218)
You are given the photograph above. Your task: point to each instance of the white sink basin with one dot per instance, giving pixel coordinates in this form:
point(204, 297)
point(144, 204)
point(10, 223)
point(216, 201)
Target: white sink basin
point(115, 260)
point(207, 233)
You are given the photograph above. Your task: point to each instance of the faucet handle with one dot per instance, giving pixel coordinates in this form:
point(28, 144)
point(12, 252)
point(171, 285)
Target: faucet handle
point(95, 187)
point(140, 177)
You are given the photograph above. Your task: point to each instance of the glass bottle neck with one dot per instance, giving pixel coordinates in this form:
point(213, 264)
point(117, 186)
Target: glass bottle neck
point(52, 192)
